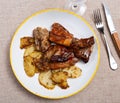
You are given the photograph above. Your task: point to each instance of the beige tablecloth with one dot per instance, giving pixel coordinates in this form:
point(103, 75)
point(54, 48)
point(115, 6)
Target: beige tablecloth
point(104, 88)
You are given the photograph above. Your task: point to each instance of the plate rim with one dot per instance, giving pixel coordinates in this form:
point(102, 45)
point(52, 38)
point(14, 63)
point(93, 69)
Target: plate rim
point(65, 11)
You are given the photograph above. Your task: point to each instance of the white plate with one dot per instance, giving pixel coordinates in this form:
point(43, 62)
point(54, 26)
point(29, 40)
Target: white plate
point(77, 26)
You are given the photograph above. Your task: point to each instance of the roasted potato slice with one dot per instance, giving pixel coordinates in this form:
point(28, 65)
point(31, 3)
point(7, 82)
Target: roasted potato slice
point(29, 50)
point(45, 79)
point(36, 54)
point(63, 85)
point(28, 66)
point(57, 70)
point(26, 41)
point(73, 71)
point(59, 77)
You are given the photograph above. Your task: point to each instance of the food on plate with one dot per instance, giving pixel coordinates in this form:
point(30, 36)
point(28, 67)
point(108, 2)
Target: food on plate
point(35, 54)
point(53, 55)
point(41, 39)
point(63, 85)
point(56, 70)
point(36, 57)
point(26, 41)
point(83, 53)
point(83, 42)
point(45, 79)
point(37, 70)
point(29, 50)
point(73, 71)
point(28, 66)
point(56, 57)
point(60, 35)
point(61, 54)
point(30, 55)
point(60, 78)
point(81, 48)
point(63, 65)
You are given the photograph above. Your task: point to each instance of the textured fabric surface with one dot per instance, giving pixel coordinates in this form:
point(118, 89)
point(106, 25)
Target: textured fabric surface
point(104, 88)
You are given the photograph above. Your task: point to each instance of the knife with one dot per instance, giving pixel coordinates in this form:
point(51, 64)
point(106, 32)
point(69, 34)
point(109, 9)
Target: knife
point(114, 34)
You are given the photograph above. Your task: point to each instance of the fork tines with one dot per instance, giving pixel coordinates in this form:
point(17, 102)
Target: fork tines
point(97, 16)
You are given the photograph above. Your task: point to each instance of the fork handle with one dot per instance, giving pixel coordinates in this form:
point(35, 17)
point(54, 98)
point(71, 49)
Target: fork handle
point(116, 41)
point(112, 61)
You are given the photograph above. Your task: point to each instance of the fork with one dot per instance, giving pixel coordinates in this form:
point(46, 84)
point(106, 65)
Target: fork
point(100, 27)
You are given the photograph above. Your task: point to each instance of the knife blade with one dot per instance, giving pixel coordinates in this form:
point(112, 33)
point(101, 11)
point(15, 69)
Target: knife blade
point(114, 34)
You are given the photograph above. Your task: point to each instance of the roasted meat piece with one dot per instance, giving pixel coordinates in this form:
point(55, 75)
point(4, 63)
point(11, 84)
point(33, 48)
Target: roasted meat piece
point(60, 35)
point(56, 57)
point(83, 53)
point(42, 64)
point(58, 29)
point(41, 39)
point(57, 53)
point(62, 65)
point(62, 54)
point(61, 58)
point(83, 42)
point(82, 48)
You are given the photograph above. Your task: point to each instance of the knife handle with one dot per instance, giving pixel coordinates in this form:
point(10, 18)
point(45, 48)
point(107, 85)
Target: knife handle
point(116, 41)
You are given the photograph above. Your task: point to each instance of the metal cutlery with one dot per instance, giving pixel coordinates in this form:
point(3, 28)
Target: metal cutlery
point(112, 29)
point(99, 25)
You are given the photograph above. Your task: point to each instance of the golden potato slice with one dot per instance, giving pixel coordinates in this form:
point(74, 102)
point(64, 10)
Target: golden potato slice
point(56, 70)
point(45, 79)
point(59, 77)
point(36, 54)
point(26, 41)
point(29, 50)
point(73, 71)
point(28, 66)
point(63, 85)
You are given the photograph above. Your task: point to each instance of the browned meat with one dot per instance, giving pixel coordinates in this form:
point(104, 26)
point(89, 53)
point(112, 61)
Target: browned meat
point(56, 57)
point(57, 53)
point(42, 64)
point(60, 35)
point(82, 43)
point(83, 53)
point(68, 63)
point(41, 39)
point(51, 51)
point(58, 29)
point(45, 65)
point(62, 54)
point(82, 48)
point(63, 57)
